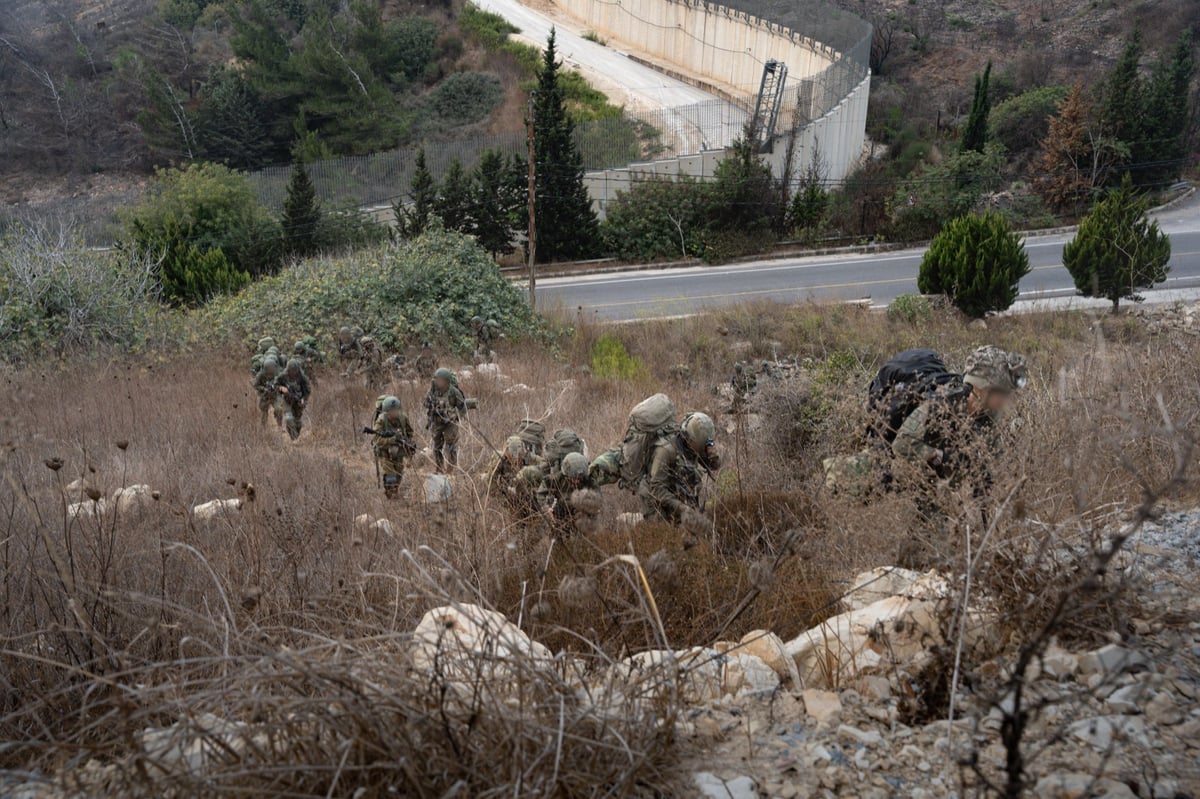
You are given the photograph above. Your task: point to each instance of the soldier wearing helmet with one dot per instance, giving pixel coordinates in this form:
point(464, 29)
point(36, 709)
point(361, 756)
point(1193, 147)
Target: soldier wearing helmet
point(569, 497)
point(678, 463)
point(393, 443)
point(515, 476)
point(292, 392)
point(369, 365)
point(264, 386)
point(347, 344)
point(265, 346)
point(445, 405)
point(955, 430)
point(485, 334)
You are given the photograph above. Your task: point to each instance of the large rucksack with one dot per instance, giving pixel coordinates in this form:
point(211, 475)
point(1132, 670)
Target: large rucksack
point(559, 445)
point(902, 384)
point(533, 434)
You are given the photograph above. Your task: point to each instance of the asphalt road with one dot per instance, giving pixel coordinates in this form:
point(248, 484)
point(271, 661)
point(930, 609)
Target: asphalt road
point(628, 83)
point(625, 296)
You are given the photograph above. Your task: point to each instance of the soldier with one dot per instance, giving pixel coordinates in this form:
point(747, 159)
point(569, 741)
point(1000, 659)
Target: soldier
point(485, 334)
point(293, 392)
point(264, 345)
point(370, 364)
point(347, 345)
point(956, 430)
point(393, 442)
point(678, 463)
point(426, 361)
point(264, 385)
point(515, 476)
point(571, 497)
point(445, 405)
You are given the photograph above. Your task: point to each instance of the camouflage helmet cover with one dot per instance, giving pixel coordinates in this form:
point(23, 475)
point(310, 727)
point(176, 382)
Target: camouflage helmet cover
point(270, 363)
point(295, 364)
point(514, 446)
point(990, 367)
point(443, 374)
point(477, 320)
point(391, 403)
point(300, 346)
point(699, 428)
point(574, 466)
point(265, 343)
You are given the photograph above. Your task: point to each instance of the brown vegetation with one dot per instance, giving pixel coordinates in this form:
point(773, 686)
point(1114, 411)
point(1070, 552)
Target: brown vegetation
point(286, 613)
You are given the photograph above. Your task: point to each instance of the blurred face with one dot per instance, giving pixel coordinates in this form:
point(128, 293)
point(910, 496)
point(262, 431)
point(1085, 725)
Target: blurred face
point(393, 415)
point(441, 383)
point(991, 401)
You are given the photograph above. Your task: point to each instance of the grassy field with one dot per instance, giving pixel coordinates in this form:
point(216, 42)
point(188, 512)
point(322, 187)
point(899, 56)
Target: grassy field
point(287, 610)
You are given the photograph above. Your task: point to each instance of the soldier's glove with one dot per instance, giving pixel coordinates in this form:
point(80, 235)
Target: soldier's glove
point(370, 431)
point(695, 522)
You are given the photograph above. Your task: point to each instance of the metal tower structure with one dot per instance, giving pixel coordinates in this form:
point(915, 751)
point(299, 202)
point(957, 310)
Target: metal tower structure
point(770, 97)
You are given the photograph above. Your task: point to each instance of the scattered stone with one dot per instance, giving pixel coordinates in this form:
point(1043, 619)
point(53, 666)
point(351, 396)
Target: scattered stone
point(215, 509)
point(714, 787)
point(1065, 785)
point(438, 488)
point(865, 737)
point(768, 647)
point(1112, 659)
point(1128, 700)
point(1058, 663)
point(1101, 732)
point(824, 706)
point(1162, 710)
point(747, 674)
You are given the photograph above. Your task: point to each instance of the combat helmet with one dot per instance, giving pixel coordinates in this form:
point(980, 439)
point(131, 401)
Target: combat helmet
point(698, 428)
point(514, 446)
point(990, 367)
point(295, 363)
point(265, 343)
point(574, 466)
point(443, 374)
point(390, 403)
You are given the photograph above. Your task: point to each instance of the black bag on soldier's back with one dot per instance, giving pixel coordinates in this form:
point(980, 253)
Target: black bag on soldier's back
point(902, 384)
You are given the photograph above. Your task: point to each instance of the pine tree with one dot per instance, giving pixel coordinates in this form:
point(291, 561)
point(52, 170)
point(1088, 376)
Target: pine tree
point(454, 201)
point(411, 218)
point(1168, 121)
point(229, 128)
point(1117, 250)
point(566, 224)
point(975, 134)
point(1123, 113)
point(976, 261)
point(301, 219)
point(495, 203)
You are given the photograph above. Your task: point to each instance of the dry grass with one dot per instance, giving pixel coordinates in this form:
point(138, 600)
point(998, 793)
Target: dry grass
point(287, 618)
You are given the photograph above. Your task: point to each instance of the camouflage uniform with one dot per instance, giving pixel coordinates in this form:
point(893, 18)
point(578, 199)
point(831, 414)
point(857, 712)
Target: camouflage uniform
point(264, 385)
point(266, 348)
point(515, 476)
point(485, 335)
point(671, 487)
point(347, 344)
point(560, 494)
point(370, 365)
point(393, 442)
point(426, 361)
point(290, 403)
point(445, 407)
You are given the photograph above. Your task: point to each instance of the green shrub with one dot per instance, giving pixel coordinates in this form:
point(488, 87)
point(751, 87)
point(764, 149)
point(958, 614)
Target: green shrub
point(944, 191)
point(465, 97)
point(660, 218)
point(206, 207)
point(1021, 122)
point(977, 262)
point(58, 296)
point(610, 360)
point(423, 289)
point(349, 230)
point(912, 309)
point(489, 30)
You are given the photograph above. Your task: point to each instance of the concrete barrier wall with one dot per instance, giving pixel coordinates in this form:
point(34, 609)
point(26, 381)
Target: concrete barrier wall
point(725, 47)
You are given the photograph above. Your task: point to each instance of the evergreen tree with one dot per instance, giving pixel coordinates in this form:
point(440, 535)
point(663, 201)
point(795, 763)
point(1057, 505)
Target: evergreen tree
point(1168, 121)
point(1117, 249)
point(1124, 104)
point(228, 126)
point(301, 219)
point(454, 201)
point(975, 134)
point(744, 198)
point(496, 202)
point(977, 262)
point(412, 218)
point(566, 224)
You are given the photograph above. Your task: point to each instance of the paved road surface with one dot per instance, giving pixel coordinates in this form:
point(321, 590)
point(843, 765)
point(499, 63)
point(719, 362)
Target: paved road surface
point(632, 295)
point(629, 83)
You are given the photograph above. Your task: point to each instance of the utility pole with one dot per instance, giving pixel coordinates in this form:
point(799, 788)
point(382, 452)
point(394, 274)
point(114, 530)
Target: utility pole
point(531, 244)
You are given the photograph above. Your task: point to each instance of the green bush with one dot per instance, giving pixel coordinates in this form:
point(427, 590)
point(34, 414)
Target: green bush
point(912, 309)
point(465, 97)
point(423, 289)
point(610, 360)
point(1117, 250)
point(58, 296)
point(977, 262)
point(660, 218)
point(1021, 122)
point(205, 207)
point(944, 191)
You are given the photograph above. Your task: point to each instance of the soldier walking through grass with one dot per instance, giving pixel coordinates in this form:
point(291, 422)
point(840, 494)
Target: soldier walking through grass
point(293, 391)
point(264, 385)
point(445, 406)
point(678, 464)
point(392, 443)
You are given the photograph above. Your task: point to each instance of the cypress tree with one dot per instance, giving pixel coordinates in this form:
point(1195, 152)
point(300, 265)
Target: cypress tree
point(1167, 121)
point(1124, 106)
point(495, 203)
point(566, 224)
point(975, 134)
point(301, 219)
point(412, 218)
point(454, 201)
